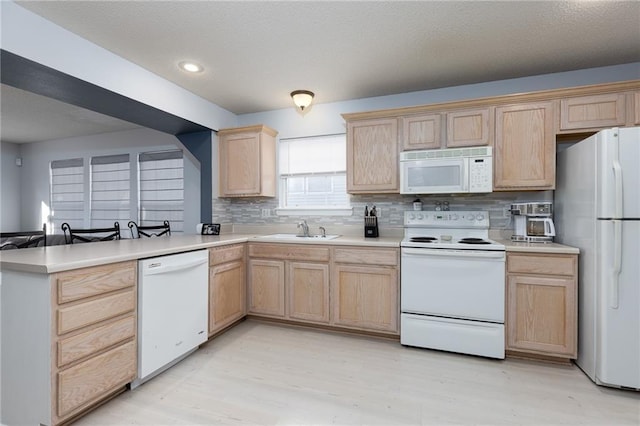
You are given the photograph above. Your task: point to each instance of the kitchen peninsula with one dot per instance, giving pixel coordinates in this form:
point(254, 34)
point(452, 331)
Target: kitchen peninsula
point(69, 313)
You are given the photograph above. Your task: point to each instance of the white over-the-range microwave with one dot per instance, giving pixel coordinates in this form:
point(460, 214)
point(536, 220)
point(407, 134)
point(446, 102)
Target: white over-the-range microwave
point(442, 171)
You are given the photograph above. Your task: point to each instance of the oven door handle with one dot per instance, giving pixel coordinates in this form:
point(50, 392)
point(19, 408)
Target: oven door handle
point(417, 252)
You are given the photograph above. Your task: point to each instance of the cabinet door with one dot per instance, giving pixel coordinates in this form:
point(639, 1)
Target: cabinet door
point(308, 287)
point(468, 128)
point(525, 156)
point(365, 297)
point(266, 287)
point(239, 164)
point(593, 112)
point(541, 315)
point(227, 301)
point(372, 156)
point(421, 132)
point(636, 108)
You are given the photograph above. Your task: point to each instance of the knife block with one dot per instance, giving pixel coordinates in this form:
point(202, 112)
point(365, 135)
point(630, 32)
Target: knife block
point(371, 227)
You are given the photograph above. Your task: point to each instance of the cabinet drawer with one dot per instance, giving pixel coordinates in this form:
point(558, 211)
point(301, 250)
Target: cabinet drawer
point(89, 380)
point(83, 314)
point(289, 251)
point(542, 264)
point(225, 254)
point(87, 282)
point(367, 256)
point(95, 340)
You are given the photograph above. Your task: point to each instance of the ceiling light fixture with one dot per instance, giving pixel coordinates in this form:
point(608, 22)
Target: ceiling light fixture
point(190, 66)
point(302, 98)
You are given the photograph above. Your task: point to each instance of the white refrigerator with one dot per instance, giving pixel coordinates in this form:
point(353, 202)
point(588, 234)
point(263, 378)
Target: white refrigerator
point(597, 209)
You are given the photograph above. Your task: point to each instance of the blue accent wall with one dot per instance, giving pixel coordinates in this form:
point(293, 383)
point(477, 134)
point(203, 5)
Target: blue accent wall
point(199, 144)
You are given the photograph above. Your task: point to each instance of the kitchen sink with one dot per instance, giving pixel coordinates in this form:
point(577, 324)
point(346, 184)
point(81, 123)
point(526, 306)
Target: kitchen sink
point(299, 237)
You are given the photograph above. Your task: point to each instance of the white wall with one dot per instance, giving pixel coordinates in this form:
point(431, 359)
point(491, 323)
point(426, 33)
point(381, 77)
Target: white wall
point(325, 118)
point(33, 37)
point(34, 173)
point(9, 188)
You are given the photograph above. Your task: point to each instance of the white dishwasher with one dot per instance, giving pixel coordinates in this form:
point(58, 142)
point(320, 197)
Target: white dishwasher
point(172, 310)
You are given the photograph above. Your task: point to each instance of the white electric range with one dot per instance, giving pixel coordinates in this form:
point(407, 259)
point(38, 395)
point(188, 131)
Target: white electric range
point(452, 283)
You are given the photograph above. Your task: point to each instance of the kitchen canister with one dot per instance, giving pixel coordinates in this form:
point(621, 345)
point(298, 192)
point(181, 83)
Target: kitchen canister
point(417, 204)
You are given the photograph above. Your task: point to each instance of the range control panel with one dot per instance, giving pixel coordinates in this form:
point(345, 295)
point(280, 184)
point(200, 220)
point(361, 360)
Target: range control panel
point(447, 219)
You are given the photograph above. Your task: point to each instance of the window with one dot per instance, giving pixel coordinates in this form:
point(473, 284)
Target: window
point(110, 189)
point(67, 193)
point(161, 188)
point(313, 173)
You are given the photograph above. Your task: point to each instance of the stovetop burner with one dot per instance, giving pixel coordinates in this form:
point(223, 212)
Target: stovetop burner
point(470, 240)
point(423, 239)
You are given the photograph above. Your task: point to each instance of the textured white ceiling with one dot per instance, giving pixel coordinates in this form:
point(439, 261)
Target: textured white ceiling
point(256, 52)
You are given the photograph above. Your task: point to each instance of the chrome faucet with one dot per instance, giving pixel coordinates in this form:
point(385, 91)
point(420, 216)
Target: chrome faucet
point(305, 228)
point(323, 232)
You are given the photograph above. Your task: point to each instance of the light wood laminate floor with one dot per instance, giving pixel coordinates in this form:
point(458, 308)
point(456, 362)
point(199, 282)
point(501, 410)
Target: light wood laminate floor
point(267, 374)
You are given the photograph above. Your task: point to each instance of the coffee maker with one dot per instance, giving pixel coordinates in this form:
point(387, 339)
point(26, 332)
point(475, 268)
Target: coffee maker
point(533, 222)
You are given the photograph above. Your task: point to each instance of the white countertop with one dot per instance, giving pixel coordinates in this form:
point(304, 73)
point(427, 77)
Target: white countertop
point(47, 260)
point(512, 246)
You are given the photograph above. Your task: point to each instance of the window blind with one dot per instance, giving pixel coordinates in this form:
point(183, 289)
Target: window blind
point(313, 172)
point(67, 193)
point(161, 188)
point(110, 190)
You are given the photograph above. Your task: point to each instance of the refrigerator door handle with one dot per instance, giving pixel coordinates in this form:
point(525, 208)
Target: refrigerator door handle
point(617, 176)
point(617, 264)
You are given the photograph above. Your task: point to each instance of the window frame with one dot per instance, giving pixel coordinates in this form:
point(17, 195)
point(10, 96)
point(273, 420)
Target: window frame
point(319, 210)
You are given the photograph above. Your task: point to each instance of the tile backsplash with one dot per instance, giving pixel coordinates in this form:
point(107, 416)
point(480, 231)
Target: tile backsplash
point(248, 211)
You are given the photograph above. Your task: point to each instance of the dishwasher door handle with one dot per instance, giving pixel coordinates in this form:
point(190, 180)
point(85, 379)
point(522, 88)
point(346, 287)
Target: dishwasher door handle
point(158, 268)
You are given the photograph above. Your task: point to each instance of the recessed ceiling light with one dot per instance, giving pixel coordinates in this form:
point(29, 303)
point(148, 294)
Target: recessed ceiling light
point(190, 66)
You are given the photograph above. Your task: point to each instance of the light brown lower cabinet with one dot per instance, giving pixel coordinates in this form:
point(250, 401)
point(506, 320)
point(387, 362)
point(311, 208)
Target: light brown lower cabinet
point(227, 286)
point(365, 289)
point(94, 335)
point(289, 281)
point(344, 287)
point(95, 377)
point(542, 304)
point(308, 290)
point(266, 287)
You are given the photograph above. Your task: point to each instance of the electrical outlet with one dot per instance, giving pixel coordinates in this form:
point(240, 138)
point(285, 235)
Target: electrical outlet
point(265, 213)
point(506, 212)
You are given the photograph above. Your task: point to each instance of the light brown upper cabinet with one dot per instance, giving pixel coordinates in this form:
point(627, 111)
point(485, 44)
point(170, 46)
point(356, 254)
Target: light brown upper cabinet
point(247, 161)
point(524, 157)
point(593, 112)
point(372, 156)
point(421, 131)
point(468, 128)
